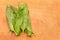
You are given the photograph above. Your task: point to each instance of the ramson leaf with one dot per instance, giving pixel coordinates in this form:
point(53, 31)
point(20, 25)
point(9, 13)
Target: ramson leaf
point(23, 12)
point(27, 21)
point(10, 17)
point(17, 21)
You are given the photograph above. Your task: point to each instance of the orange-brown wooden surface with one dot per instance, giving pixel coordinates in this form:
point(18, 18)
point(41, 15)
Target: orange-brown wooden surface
point(45, 20)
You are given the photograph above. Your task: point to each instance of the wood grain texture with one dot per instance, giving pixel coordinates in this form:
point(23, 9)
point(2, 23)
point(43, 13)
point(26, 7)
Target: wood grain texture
point(45, 20)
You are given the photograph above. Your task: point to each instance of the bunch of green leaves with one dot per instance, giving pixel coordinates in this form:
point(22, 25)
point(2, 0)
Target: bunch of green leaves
point(18, 19)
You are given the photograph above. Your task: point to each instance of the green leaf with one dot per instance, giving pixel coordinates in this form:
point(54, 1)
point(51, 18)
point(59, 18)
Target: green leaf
point(10, 17)
point(23, 11)
point(17, 26)
point(27, 21)
point(28, 28)
point(17, 21)
point(26, 25)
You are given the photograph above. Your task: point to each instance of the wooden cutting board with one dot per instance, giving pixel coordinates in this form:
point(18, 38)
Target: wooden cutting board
point(45, 20)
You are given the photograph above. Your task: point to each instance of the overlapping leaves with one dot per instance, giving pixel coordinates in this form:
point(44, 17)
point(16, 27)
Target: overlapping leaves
point(18, 19)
